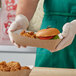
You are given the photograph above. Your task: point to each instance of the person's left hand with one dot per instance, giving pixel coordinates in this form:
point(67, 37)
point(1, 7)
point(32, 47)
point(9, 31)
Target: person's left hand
point(69, 31)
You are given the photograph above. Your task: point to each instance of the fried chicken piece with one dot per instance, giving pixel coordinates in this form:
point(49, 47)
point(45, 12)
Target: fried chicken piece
point(14, 66)
point(25, 67)
point(3, 66)
point(22, 32)
point(31, 33)
point(34, 35)
point(3, 63)
point(28, 34)
point(14, 69)
point(6, 69)
point(11, 66)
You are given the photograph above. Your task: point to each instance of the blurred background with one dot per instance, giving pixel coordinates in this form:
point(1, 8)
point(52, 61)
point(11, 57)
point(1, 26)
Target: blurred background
point(8, 52)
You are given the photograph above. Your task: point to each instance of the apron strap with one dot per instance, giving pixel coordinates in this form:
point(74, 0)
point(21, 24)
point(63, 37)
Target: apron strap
point(60, 14)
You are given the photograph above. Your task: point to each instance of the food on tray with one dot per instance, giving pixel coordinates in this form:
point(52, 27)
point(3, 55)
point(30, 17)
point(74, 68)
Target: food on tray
point(25, 67)
point(28, 34)
point(3, 63)
point(3, 66)
point(47, 34)
point(44, 34)
point(11, 66)
point(14, 66)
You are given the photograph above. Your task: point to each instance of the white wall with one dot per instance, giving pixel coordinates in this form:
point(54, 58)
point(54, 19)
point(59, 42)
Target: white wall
point(23, 58)
point(15, 49)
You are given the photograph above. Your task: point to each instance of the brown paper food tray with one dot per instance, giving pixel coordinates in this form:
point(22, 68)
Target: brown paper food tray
point(52, 72)
point(16, 73)
point(23, 41)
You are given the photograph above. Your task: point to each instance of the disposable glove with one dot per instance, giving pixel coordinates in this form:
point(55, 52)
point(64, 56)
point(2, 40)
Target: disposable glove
point(21, 22)
point(69, 31)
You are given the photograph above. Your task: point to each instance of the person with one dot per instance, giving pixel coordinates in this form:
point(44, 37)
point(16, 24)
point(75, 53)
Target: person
point(57, 14)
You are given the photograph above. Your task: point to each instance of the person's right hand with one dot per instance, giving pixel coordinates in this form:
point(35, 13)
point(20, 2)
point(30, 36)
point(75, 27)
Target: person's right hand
point(21, 22)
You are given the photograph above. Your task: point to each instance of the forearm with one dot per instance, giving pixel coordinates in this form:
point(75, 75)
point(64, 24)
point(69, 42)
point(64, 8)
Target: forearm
point(27, 8)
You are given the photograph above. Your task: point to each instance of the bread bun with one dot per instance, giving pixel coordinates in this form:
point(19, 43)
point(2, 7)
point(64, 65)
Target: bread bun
point(47, 32)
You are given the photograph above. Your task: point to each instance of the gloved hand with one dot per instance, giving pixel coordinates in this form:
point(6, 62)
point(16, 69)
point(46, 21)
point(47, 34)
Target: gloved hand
point(69, 31)
point(21, 22)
